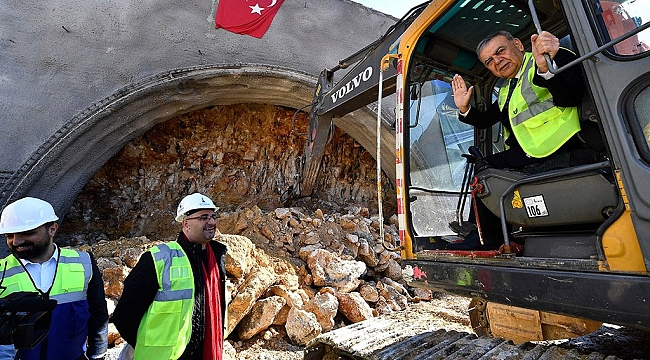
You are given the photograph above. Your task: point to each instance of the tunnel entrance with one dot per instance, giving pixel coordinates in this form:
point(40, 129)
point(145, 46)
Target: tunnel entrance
point(241, 155)
point(71, 156)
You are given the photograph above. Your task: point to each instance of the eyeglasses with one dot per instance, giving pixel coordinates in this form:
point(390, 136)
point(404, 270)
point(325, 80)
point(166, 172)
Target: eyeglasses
point(203, 217)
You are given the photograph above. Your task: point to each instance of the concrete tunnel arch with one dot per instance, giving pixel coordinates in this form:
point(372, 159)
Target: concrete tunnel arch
point(86, 142)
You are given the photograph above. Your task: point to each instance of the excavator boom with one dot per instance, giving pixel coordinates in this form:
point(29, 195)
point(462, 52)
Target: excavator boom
point(356, 89)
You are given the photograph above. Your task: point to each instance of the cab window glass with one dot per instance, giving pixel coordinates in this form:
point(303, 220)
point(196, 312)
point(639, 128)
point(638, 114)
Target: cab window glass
point(642, 112)
point(437, 141)
point(619, 18)
point(498, 136)
point(437, 138)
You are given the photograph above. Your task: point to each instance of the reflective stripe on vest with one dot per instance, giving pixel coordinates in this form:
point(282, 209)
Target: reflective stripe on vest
point(539, 126)
point(71, 287)
point(170, 291)
point(166, 327)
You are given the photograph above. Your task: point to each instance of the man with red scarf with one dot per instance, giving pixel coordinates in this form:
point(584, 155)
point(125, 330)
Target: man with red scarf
point(173, 305)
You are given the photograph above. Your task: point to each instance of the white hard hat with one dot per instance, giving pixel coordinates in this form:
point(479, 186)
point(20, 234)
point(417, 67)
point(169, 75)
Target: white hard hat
point(26, 214)
point(195, 201)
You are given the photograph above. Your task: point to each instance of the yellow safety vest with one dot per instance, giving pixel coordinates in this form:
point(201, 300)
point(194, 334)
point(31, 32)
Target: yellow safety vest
point(69, 324)
point(539, 126)
point(165, 329)
point(71, 287)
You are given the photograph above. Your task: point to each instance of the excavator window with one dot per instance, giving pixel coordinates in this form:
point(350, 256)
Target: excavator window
point(615, 18)
point(642, 114)
point(437, 141)
point(437, 165)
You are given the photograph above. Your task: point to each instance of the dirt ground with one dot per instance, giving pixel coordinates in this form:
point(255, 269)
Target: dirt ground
point(450, 313)
point(444, 312)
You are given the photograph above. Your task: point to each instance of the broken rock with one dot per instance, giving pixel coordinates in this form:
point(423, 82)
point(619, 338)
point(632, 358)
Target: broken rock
point(330, 270)
point(260, 317)
point(325, 306)
point(353, 307)
point(255, 285)
point(302, 326)
point(239, 258)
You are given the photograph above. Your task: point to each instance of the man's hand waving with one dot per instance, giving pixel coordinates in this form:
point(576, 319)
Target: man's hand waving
point(462, 94)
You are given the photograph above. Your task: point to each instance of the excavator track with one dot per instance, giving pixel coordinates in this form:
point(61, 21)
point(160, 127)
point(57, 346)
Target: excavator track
point(390, 339)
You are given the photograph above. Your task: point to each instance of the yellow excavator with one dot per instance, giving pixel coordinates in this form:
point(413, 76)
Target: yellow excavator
point(576, 239)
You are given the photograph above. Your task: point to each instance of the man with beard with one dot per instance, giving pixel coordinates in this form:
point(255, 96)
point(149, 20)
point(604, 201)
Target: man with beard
point(79, 326)
point(174, 304)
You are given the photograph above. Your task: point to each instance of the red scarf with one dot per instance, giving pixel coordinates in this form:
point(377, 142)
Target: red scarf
point(213, 344)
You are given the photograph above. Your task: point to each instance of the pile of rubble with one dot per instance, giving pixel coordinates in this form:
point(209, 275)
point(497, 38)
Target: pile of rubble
point(291, 272)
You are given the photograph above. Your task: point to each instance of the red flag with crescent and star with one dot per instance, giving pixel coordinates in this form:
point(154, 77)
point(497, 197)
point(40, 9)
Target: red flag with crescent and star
point(248, 17)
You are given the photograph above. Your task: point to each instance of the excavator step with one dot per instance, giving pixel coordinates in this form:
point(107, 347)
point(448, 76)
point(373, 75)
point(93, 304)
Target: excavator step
point(389, 339)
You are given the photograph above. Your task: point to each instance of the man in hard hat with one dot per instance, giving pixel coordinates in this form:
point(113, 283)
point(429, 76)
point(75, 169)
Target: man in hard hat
point(79, 327)
point(174, 304)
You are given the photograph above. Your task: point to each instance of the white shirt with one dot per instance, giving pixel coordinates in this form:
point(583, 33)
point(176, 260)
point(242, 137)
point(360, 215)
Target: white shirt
point(43, 274)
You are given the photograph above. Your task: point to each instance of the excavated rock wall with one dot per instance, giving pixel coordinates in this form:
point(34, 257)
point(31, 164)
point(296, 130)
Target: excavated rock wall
point(239, 155)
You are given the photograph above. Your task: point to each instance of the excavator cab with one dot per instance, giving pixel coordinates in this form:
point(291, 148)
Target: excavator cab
point(575, 221)
point(549, 198)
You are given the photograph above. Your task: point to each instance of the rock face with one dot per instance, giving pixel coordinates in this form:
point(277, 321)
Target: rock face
point(239, 155)
point(114, 281)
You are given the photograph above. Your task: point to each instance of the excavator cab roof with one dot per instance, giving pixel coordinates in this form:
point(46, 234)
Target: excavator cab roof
point(451, 41)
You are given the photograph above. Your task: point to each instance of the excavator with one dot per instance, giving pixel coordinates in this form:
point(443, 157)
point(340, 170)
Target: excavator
point(576, 239)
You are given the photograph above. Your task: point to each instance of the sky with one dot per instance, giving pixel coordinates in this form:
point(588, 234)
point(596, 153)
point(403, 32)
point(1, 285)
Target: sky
point(397, 8)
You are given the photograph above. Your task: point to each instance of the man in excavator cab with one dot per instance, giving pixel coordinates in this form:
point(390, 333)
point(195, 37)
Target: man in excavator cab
point(539, 112)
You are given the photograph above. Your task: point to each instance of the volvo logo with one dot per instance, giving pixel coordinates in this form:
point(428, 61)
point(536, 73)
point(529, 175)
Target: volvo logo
point(352, 84)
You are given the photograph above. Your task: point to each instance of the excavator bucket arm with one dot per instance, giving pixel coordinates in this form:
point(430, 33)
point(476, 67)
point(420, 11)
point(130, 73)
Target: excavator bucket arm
point(357, 88)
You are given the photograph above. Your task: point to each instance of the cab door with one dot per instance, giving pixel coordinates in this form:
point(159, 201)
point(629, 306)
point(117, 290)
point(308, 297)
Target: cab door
point(619, 81)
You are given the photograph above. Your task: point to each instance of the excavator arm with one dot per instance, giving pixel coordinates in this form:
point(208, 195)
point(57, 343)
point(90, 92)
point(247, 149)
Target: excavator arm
point(358, 88)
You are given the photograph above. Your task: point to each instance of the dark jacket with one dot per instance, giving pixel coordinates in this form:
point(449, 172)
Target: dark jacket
point(98, 322)
point(141, 286)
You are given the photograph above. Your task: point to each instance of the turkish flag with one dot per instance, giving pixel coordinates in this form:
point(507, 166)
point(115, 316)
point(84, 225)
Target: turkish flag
point(249, 17)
